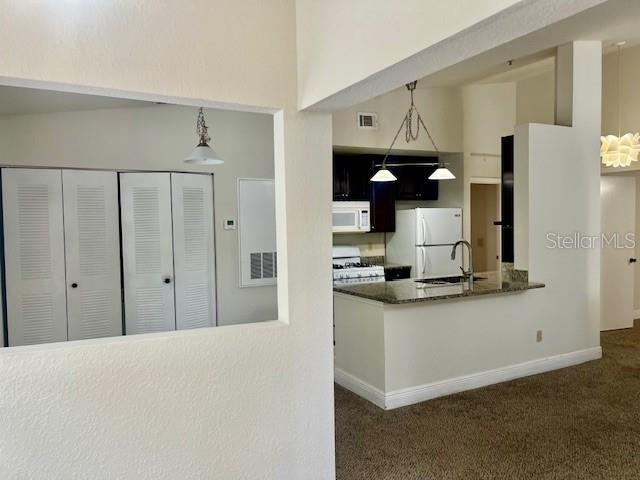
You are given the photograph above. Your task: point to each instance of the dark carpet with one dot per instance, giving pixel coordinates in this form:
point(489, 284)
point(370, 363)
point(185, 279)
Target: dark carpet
point(580, 422)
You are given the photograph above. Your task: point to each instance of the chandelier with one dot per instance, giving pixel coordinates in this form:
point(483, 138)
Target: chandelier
point(620, 150)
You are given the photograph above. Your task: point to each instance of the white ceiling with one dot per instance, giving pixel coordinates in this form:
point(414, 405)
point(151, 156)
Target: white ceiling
point(21, 101)
point(527, 33)
point(609, 22)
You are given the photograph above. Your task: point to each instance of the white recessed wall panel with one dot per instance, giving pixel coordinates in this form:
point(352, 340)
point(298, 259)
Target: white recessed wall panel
point(92, 244)
point(257, 229)
point(147, 252)
point(34, 256)
point(193, 249)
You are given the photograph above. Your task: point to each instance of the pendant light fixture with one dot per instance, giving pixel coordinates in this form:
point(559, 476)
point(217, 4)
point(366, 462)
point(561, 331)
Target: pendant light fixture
point(621, 150)
point(408, 123)
point(203, 154)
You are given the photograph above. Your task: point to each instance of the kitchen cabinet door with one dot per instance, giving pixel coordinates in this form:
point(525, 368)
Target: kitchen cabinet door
point(383, 207)
point(147, 252)
point(413, 181)
point(92, 246)
point(34, 256)
point(351, 177)
point(507, 201)
point(193, 250)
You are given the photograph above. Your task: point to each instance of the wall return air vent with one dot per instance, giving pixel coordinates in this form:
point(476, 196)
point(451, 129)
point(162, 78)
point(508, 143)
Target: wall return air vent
point(367, 121)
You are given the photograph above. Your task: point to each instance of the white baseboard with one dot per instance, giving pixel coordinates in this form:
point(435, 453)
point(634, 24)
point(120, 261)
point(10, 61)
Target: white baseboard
point(359, 387)
point(428, 391)
point(636, 314)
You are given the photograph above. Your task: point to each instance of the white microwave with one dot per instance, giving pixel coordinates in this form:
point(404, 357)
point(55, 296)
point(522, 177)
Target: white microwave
point(351, 217)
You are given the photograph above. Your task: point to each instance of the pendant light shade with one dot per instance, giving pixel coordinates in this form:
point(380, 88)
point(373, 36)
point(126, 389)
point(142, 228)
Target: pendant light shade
point(203, 154)
point(620, 150)
point(383, 175)
point(442, 173)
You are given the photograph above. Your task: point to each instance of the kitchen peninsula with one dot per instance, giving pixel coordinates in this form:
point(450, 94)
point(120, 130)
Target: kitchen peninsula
point(403, 342)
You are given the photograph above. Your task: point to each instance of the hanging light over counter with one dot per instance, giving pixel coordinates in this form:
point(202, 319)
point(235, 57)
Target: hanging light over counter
point(620, 150)
point(384, 175)
point(442, 173)
point(203, 154)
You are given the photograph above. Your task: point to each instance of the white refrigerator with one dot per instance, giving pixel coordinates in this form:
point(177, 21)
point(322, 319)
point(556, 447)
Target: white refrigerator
point(424, 238)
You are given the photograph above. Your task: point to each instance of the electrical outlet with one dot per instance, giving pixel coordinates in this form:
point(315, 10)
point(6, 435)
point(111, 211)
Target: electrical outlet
point(539, 336)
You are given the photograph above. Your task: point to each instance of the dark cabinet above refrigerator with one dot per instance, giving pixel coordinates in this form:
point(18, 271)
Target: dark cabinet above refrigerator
point(413, 180)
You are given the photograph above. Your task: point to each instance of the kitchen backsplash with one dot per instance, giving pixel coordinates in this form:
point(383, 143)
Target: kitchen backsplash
point(370, 244)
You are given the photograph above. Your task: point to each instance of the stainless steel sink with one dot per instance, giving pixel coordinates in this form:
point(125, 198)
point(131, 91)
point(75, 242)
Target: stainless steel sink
point(443, 281)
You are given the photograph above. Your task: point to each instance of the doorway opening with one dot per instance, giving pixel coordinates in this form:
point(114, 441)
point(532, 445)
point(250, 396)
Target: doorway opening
point(485, 238)
point(619, 276)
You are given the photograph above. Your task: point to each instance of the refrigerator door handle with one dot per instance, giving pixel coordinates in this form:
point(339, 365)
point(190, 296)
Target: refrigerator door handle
point(424, 231)
point(424, 262)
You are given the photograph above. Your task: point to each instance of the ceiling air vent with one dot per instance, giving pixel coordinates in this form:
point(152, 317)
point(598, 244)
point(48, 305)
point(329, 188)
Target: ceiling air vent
point(367, 121)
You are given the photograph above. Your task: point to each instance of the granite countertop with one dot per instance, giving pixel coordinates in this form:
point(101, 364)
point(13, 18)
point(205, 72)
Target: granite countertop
point(410, 291)
point(394, 265)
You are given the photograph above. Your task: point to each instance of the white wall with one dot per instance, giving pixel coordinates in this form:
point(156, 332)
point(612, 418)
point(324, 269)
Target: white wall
point(630, 104)
point(489, 114)
point(441, 109)
point(341, 43)
point(535, 99)
point(246, 401)
point(548, 159)
point(629, 118)
point(157, 138)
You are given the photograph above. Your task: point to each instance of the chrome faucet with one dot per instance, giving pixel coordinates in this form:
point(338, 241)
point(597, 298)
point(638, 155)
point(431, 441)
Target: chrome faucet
point(468, 274)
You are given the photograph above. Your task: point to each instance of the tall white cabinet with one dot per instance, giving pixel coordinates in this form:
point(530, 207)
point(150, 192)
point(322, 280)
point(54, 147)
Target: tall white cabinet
point(62, 255)
point(92, 254)
point(193, 250)
point(147, 252)
point(34, 256)
point(66, 234)
point(168, 251)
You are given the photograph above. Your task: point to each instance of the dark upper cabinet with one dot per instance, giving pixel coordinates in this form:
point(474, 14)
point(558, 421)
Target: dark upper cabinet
point(352, 182)
point(413, 182)
point(383, 206)
point(351, 175)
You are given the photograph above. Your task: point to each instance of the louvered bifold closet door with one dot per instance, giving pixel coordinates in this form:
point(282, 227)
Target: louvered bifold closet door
point(92, 245)
point(34, 256)
point(193, 250)
point(147, 252)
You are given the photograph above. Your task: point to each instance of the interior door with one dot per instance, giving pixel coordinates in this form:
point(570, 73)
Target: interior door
point(193, 250)
point(92, 246)
point(438, 226)
point(34, 256)
point(617, 199)
point(147, 252)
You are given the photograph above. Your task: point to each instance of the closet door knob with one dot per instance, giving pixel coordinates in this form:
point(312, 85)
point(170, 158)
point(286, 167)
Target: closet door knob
point(74, 285)
point(167, 280)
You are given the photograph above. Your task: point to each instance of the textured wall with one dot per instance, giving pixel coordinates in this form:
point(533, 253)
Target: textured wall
point(441, 109)
point(332, 33)
point(248, 401)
